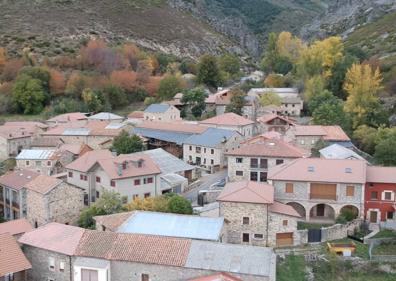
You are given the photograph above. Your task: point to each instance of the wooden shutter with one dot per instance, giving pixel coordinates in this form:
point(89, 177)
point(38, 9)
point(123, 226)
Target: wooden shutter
point(350, 190)
point(289, 187)
point(323, 191)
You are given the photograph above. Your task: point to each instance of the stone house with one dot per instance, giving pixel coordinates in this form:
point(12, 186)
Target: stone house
point(49, 199)
point(254, 218)
point(66, 118)
point(209, 148)
point(319, 189)
point(133, 175)
point(14, 264)
point(218, 102)
point(13, 193)
point(161, 113)
point(380, 199)
point(274, 122)
point(231, 121)
point(256, 156)
point(307, 136)
point(43, 161)
point(67, 253)
point(292, 103)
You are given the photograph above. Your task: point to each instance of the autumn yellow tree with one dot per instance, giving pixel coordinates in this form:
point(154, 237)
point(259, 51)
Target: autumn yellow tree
point(314, 86)
point(362, 83)
point(57, 82)
point(289, 46)
point(270, 99)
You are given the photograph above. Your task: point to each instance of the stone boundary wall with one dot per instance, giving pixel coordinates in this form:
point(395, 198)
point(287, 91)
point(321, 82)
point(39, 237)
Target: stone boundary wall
point(340, 231)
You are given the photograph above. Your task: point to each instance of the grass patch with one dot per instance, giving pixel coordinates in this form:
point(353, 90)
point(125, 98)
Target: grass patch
point(386, 248)
point(386, 233)
point(306, 225)
point(21, 117)
point(291, 269)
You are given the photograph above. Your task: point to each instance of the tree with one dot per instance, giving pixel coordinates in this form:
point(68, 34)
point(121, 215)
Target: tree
point(385, 151)
point(208, 71)
point(115, 95)
point(237, 101)
point(179, 205)
point(324, 96)
point(270, 99)
point(338, 72)
point(289, 46)
point(109, 203)
point(29, 95)
point(230, 64)
point(275, 81)
point(362, 85)
point(271, 53)
point(38, 73)
point(94, 100)
point(57, 82)
point(365, 138)
point(169, 86)
point(126, 144)
point(332, 113)
point(11, 69)
point(313, 86)
point(194, 100)
point(125, 79)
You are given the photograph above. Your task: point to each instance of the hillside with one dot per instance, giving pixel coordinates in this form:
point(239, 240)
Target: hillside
point(58, 26)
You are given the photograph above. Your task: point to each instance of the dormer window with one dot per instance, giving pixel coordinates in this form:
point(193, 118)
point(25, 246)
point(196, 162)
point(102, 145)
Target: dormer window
point(348, 170)
point(124, 165)
point(140, 163)
point(311, 169)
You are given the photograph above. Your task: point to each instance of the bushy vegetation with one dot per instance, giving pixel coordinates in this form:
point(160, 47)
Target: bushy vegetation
point(126, 144)
point(168, 203)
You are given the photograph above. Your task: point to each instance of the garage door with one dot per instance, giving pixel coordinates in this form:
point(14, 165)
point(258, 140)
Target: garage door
point(284, 239)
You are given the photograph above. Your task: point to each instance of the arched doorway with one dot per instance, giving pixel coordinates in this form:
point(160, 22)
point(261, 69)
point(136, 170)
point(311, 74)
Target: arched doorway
point(350, 211)
point(299, 208)
point(322, 212)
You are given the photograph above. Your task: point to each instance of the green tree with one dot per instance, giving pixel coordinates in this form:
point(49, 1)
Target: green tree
point(149, 101)
point(125, 144)
point(208, 71)
point(365, 138)
point(29, 95)
point(38, 73)
point(230, 64)
point(237, 101)
point(194, 101)
point(385, 150)
point(109, 203)
point(169, 86)
point(270, 99)
point(339, 70)
point(271, 54)
point(94, 100)
point(179, 205)
point(332, 113)
point(115, 95)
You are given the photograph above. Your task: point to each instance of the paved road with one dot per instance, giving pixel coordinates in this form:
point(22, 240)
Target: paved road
point(205, 182)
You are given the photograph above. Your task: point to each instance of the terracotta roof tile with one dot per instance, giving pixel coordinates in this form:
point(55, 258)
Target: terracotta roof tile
point(269, 117)
point(177, 126)
point(112, 222)
point(54, 237)
point(12, 259)
point(283, 209)
point(309, 130)
point(43, 184)
point(223, 276)
point(228, 119)
point(376, 174)
point(18, 179)
point(335, 133)
point(15, 227)
point(136, 114)
point(68, 117)
point(86, 161)
point(247, 192)
point(330, 133)
point(91, 127)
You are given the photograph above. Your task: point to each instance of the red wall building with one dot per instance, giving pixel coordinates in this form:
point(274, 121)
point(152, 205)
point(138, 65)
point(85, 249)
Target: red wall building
point(380, 190)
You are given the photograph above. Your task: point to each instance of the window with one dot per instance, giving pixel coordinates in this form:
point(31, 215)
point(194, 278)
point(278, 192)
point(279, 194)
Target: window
point(263, 163)
point(198, 149)
point(212, 151)
point(239, 173)
point(263, 176)
point(135, 196)
point(137, 182)
point(190, 158)
point(97, 194)
point(239, 160)
point(389, 215)
point(312, 141)
point(245, 237)
point(51, 263)
point(27, 163)
point(253, 176)
point(245, 220)
point(211, 161)
point(205, 150)
point(350, 190)
point(38, 163)
point(61, 266)
point(146, 195)
point(190, 147)
point(70, 174)
point(253, 163)
point(258, 236)
point(9, 277)
point(97, 179)
point(289, 187)
point(302, 142)
point(149, 180)
point(112, 183)
point(48, 163)
point(204, 161)
point(387, 195)
point(86, 199)
point(374, 195)
point(279, 161)
point(83, 177)
point(124, 165)
point(285, 222)
point(145, 277)
point(124, 199)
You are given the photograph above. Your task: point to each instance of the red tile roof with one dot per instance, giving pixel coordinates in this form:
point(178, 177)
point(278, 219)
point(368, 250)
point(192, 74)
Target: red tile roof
point(228, 119)
point(94, 127)
point(134, 247)
point(221, 98)
point(12, 259)
point(18, 179)
point(54, 237)
point(335, 133)
point(86, 161)
point(320, 170)
point(247, 192)
point(74, 148)
point(177, 126)
point(269, 117)
point(15, 227)
point(136, 114)
point(330, 133)
point(270, 148)
point(283, 209)
point(309, 130)
point(223, 276)
point(68, 117)
point(43, 184)
point(376, 174)
point(112, 222)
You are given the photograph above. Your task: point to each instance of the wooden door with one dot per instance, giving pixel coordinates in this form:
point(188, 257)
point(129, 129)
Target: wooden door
point(284, 239)
point(320, 209)
point(373, 216)
point(89, 275)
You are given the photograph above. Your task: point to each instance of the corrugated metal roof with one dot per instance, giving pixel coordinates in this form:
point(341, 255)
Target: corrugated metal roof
point(115, 125)
point(76, 132)
point(169, 136)
point(167, 162)
point(173, 225)
point(336, 151)
point(231, 258)
point(212, 137)
point(171, 180)
point(35, 154)
point(157, 108)
point(105, 116)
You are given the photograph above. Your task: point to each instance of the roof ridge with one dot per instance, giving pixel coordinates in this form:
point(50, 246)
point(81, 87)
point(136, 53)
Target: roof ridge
point(259, 194)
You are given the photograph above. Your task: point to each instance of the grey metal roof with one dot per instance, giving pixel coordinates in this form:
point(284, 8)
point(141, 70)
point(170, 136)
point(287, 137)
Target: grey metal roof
point(115, 125)
point(105, 116)
point(171, 180)
point(175, 137)
point(35, 154)
point(173, 225)
point(157, 108)
point(76, 132)
point(232, 258)
point(167, 162)
point(336, 151)
point(212, 137)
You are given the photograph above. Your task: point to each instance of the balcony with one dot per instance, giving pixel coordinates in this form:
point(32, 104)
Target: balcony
point(323, 196)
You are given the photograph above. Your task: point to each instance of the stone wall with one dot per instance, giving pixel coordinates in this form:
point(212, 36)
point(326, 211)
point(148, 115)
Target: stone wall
point(40, 271)
point(340, 231)
point(275, 225)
